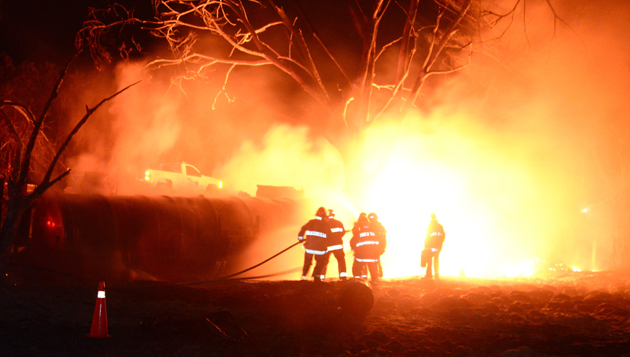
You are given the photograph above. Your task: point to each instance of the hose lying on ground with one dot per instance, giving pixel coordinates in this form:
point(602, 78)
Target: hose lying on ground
point(243, 271)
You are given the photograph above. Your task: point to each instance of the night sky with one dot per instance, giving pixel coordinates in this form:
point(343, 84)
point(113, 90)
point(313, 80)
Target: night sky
point(44, 30)
point(40, 30)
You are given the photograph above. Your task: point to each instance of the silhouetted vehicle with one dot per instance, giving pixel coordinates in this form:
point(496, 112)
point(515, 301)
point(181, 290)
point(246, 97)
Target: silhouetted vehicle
point(182, 177)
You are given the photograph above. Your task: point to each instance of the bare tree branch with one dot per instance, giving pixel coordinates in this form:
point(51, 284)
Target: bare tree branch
point(9, 124)
point(379, 12)
point(90, 111)
point(321, 43)
point(15, 164)
point(297, 37)
point(30, 118)
point(38, 124)
point(407, 43)
point(223, 89)
point(435, 51)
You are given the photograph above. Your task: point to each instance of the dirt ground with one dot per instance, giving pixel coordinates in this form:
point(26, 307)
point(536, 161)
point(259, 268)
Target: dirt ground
point(570, 314)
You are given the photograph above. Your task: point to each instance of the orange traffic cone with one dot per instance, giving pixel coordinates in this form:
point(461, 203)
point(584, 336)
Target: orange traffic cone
point(99, 321)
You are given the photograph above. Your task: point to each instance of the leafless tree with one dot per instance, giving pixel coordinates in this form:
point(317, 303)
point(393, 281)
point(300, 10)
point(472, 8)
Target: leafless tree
point(399, 44)
point(19, 148)
point(29, 84)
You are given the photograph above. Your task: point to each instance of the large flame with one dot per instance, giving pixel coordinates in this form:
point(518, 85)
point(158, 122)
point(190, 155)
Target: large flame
point(486, 193)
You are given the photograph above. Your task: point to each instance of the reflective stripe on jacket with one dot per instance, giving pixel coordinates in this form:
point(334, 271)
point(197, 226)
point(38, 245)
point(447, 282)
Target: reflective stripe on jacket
point(335, 247)
point(435, 236)
point(315, 235)
point(337, 231)
point(365, 244)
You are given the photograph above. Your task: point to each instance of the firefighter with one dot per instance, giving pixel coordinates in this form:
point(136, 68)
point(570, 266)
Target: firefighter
point(314, 234)
point(355, 232)
point(355, 228)
point(381, 234)
point(432, 248)
point(335, 243)
point(367, 250)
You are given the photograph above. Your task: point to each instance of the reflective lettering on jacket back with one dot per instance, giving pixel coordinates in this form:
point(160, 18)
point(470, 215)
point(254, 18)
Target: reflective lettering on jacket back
point(315, 233)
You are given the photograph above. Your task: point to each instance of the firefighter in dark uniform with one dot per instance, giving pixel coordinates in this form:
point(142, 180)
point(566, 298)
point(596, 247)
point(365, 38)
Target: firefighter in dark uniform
point(314, 234)
point(432, 247)
point(355, 232)
point(367, 250)
point(335, 243)
point(381, 234)
point(355, 228)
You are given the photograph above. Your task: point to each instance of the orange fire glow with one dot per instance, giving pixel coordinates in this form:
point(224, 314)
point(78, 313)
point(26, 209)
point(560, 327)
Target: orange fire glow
point(485, 200)
point(506, 153)
point(405, 206)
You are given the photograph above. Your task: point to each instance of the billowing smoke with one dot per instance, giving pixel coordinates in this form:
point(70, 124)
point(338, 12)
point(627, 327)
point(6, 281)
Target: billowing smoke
point(136, 129)
point(244, 136)
point(286, 157)
point(559, 106)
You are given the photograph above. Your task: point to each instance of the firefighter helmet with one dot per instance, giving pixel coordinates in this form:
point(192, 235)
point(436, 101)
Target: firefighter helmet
point(433, 216)
point(362, 218)
point(372, 216)
point(321, 212)
point(331, 213)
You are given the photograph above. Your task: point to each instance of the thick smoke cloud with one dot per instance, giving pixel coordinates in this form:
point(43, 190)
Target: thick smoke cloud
point(572, 111)
point(286, 157)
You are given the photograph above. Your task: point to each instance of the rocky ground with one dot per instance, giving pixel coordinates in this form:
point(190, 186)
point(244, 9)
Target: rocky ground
point(570, 314)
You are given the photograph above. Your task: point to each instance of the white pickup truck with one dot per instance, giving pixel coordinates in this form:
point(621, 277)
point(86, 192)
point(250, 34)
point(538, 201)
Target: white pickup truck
point(182, 177)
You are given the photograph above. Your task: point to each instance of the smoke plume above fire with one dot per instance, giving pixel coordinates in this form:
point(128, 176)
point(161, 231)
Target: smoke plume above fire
point(519, 155)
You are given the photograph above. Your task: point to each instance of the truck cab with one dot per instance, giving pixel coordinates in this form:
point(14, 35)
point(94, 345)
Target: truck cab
point(182, 177)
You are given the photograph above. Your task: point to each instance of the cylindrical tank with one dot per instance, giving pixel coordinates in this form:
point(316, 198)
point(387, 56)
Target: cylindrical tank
point(168, 238)
point(356, 298)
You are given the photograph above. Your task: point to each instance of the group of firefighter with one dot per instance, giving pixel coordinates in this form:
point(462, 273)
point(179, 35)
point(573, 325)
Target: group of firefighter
point(323, 237)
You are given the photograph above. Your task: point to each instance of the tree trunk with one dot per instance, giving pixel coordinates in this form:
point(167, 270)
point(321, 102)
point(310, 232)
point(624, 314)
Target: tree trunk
point(16, 207)
point(1, 200)
point(15, 211)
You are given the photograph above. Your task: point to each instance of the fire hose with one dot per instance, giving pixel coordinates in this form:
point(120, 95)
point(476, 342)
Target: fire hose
point(245, 270)
point(194, 282)
point(355, 297)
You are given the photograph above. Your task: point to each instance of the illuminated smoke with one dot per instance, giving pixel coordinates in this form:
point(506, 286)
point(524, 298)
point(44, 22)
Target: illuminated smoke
point(286, 157)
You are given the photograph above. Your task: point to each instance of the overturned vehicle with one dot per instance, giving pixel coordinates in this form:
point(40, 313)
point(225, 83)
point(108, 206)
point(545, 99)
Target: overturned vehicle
point(153, 237)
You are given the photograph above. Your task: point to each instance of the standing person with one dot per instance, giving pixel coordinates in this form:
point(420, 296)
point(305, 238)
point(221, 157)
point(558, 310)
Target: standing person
point(355, 228)
point(355, 232)
point(367, 250)
point(314, 235)
point(335, 244)
point(381, 235)
point(432, 248)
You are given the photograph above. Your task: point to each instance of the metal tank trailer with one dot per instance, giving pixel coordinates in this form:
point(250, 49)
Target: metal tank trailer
point(152, 237)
